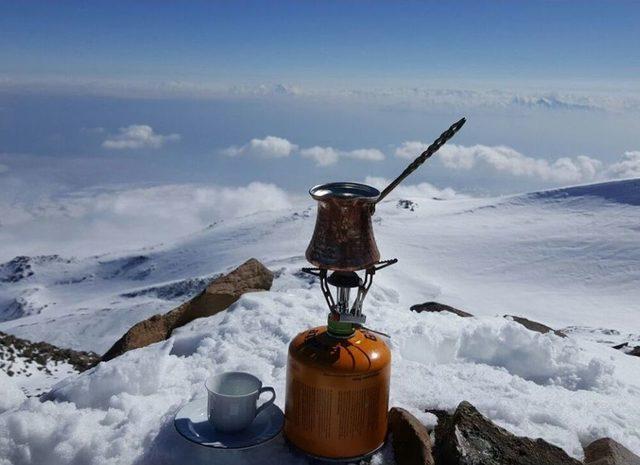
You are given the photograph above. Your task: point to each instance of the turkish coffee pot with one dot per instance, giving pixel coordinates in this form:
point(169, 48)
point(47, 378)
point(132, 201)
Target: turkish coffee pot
point(343, 240)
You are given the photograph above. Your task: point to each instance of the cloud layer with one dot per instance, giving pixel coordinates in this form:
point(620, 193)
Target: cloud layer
point(552, 98)
point(94, 222)
point(580, 168)
point(278, 147)
point(505, 159)
point(138, 136)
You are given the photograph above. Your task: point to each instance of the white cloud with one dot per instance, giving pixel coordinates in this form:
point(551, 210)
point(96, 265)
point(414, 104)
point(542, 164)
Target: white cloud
point(138, 136)
point(277, 147)
point(509, 160)
point(269, 147)
point(93, 222)
point(403, 191)
point(325, 156)
point(628, 167)
point(502, 158)
point(272, 146)
point(365, 154)
point(410, 149)
point(580, 168)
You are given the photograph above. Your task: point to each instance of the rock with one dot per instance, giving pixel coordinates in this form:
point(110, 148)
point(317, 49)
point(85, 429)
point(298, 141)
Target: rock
point(17, 353)
point(438, 307)
point(410, 439)
point(606, 451)
point(154, 329)
point(183, 288)
point(534, 325)
point(251, 276)
point(406, 204)
point(468, 438)
point(16, 270)
point(628, 349)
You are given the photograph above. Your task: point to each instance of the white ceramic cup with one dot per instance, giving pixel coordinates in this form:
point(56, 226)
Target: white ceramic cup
point(233, 398)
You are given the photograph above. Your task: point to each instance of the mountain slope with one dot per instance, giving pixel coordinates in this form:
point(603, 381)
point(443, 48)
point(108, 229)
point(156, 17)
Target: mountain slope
point(566, 257)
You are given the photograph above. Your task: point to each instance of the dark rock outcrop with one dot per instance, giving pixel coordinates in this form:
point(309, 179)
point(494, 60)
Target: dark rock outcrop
point(406, 204)
point(251, 276)
point(410, 439)
point(16, 270)
point(438, 307)
point(184, 288)
point(534, 325)
point(606, 451)
point(18, 355)
point(21, 267)
point(468, 438)
point(628, 349)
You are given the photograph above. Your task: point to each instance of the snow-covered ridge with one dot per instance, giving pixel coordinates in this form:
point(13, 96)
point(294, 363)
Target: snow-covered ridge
point(626, 191)
point(576, 236)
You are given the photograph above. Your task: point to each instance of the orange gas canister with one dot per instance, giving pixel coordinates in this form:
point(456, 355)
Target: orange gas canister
point(337, 393)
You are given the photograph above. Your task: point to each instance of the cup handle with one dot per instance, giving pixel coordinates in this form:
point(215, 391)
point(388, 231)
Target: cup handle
point(267, 403)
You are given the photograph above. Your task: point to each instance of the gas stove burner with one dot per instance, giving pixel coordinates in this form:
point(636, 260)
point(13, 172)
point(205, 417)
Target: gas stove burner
point(344, 281)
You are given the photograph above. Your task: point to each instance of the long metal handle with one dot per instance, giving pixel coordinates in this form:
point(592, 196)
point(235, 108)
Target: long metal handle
point(433, 148)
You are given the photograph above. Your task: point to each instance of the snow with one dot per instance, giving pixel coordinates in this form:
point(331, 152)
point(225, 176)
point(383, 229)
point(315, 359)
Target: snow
point(34, 378)
point(539, 385)
point(564, 258)
point(529, 355)
point(11, 394)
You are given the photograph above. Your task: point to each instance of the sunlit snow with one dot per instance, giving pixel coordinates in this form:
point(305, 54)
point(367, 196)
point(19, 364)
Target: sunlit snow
point(564, 258)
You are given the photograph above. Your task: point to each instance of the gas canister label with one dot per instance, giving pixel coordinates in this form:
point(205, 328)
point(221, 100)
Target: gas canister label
point(337, 414)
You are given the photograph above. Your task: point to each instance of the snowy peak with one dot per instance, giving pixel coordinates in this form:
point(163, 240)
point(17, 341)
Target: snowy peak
point(16, 270)
point(623, 191)
point(22, 267)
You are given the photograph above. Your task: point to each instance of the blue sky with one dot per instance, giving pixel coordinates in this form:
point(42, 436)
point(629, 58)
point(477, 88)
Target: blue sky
point(322, 42)
point(109, 110)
